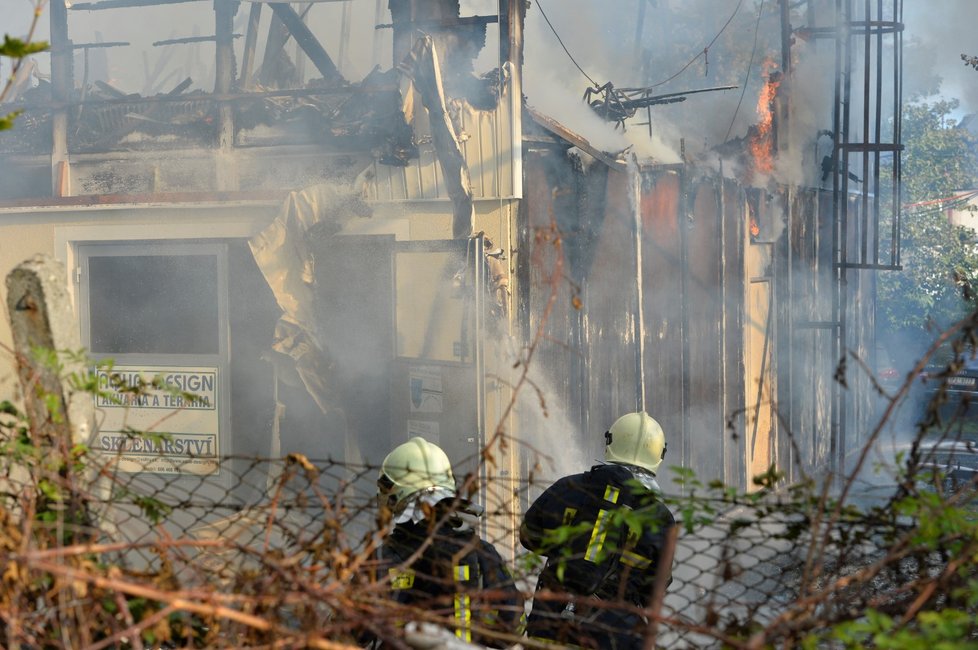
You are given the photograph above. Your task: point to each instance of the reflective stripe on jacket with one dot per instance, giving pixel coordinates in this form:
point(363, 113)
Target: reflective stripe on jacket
point(457, 574)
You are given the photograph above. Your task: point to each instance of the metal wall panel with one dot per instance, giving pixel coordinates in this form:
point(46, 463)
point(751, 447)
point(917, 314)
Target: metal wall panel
point(705, 418)
point(487, 139)
point(663, 282)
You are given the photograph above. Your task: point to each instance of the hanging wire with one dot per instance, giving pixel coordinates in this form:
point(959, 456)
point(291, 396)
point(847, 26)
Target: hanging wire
point(559, 40)
point(945, 200)
point(705, 49)
point(937, 206)
point(750, 64)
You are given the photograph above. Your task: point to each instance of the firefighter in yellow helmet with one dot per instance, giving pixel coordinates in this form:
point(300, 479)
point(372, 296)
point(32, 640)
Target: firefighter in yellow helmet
point(593, 554)
point(432, 557)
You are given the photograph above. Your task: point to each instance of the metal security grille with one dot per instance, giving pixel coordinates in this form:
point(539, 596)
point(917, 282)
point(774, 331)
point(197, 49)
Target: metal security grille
point(863, 169)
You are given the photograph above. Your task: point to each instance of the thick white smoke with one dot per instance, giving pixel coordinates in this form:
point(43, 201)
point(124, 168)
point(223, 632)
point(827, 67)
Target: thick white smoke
point(938, 33)
point(667, 52)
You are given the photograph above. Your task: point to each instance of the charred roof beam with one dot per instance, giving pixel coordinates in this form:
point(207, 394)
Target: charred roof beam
point(306, 40)
point(96, 46)
point(251, 44)
point(449, 22)
point(189, 39)
point(123, 4)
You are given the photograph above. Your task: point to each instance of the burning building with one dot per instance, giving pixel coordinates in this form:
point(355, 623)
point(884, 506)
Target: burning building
point(358, 236)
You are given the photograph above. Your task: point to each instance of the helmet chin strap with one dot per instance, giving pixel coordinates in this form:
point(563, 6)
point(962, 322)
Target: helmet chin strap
point(412, 508)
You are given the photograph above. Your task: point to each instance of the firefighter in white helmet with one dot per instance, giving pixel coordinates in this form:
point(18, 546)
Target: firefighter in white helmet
point(592, 552)
point(432, 558)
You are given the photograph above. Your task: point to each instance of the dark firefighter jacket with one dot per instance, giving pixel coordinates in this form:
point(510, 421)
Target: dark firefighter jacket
point(603, 533)
point(457, 575)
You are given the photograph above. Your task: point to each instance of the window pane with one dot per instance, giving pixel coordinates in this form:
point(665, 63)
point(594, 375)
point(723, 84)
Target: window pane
point(154, 304)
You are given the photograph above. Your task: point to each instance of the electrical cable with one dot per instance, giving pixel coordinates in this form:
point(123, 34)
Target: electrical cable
point(705, 49)
point(750, 64)
point(948, 199)
point(942, 205)
point(559, 40)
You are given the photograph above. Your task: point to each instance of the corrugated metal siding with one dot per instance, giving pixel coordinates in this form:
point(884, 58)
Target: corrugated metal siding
point(551, 195)
point(610, 300)
point(487, 145)
point(705, 321)
point(663, 209)
point(733, 253)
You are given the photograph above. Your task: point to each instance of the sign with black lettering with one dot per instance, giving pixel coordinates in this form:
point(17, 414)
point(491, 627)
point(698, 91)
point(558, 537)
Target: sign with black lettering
point(159, 419)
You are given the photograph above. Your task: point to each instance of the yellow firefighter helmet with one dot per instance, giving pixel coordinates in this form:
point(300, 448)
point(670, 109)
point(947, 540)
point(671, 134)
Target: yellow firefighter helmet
point(635, 439)
point(413, 467)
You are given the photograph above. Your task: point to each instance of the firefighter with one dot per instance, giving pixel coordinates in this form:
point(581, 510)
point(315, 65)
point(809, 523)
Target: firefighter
point(603, 532)
point(433, 558)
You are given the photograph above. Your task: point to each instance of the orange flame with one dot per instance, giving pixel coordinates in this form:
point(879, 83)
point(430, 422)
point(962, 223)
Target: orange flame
point(762, 140)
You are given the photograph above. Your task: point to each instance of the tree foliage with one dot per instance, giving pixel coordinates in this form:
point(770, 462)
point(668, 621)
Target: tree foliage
point(940, 261)
point(940, 156)
point(17, 50)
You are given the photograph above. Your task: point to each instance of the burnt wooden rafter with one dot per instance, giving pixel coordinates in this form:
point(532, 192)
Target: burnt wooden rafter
point(123, 4)
point(306, 40)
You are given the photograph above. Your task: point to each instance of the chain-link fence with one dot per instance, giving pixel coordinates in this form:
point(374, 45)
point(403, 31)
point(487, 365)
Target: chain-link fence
point(283, 553)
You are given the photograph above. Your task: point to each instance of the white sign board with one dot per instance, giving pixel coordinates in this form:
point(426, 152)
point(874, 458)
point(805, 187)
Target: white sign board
point(159, 419)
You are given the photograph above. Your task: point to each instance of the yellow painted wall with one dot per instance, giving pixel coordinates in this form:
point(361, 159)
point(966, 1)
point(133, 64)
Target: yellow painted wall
point(759, 358)
point(27, 232)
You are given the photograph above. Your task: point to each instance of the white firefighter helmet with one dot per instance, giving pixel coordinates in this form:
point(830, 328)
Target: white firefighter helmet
point(413, 467)
point(635, 439)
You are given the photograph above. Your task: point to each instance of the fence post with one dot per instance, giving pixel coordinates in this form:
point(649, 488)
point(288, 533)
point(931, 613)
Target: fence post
point(47, 350)
point(659, 586)
point(48, 353)
point(41, 318)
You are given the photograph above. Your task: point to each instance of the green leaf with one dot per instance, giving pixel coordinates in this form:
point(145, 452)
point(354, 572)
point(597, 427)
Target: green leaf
point(49, 489)
point(15, 48)
point(7, 121)
point(154, 509)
